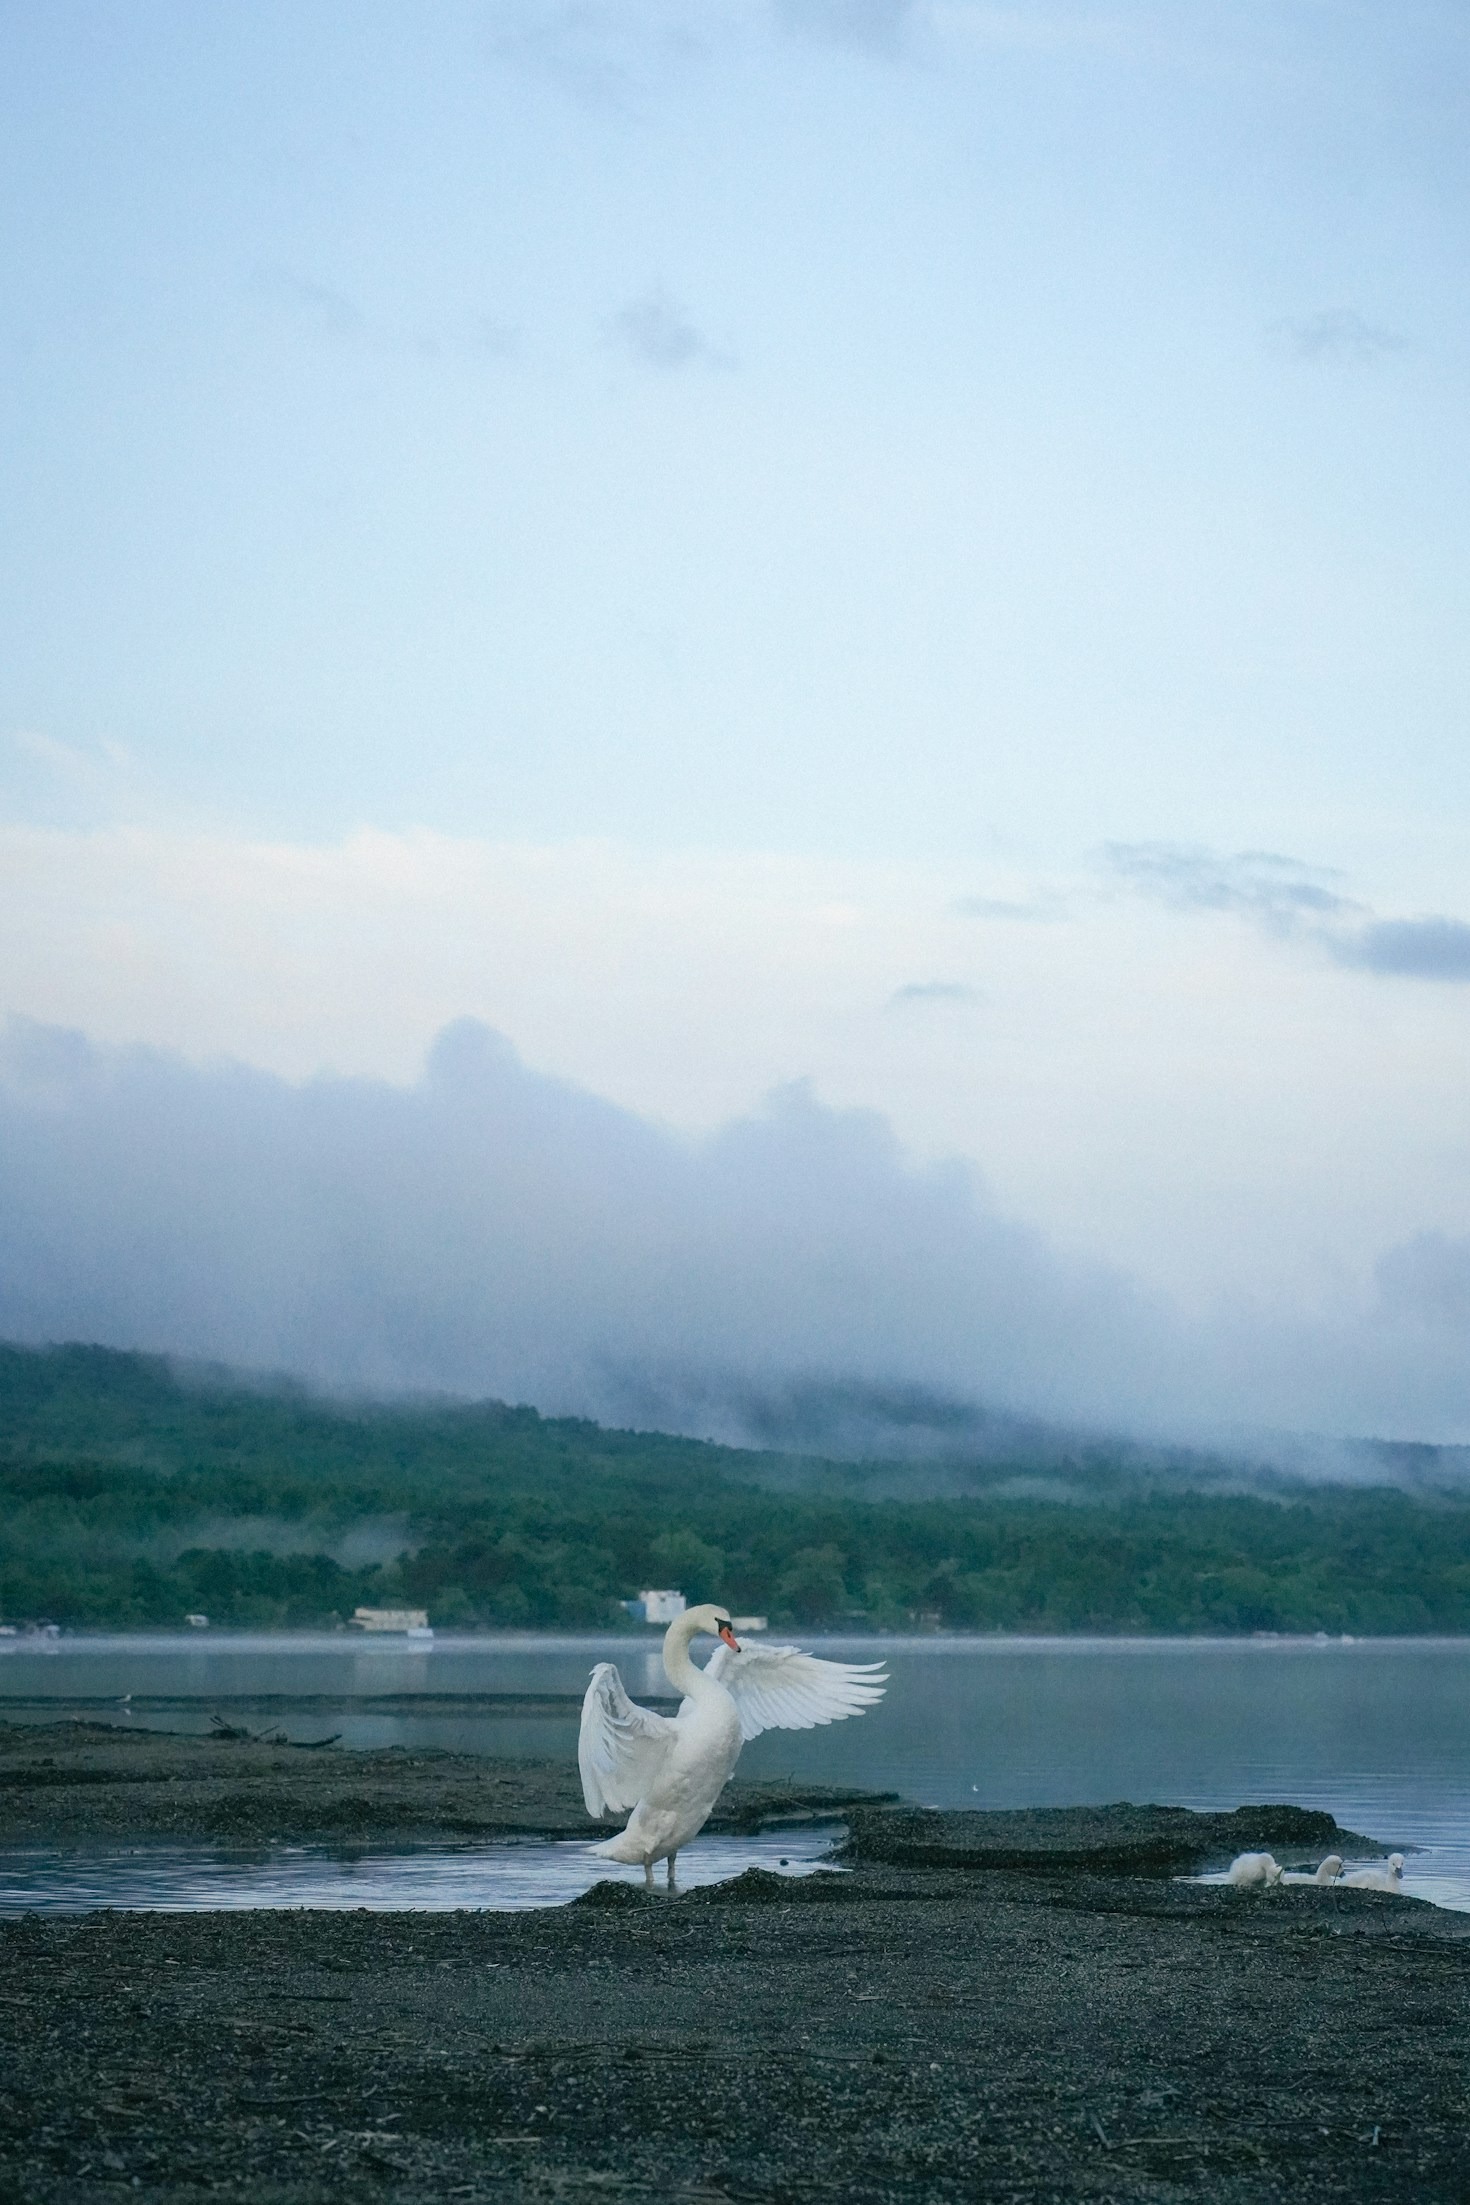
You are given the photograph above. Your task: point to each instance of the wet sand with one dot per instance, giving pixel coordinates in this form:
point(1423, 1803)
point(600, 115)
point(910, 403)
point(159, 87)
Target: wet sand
point(1008, 2007)
point(68, 1783)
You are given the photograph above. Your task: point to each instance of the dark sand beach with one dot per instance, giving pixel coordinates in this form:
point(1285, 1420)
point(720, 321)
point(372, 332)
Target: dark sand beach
point(1022, 2006)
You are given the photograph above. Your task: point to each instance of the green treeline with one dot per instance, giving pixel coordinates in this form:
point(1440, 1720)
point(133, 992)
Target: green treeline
point(130, 1498)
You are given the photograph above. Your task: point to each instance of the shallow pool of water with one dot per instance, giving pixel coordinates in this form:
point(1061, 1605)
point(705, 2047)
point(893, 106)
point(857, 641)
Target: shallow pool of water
point(167, 1878)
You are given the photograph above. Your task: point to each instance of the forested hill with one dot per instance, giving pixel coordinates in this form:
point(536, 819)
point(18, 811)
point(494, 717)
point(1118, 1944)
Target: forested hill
point(132, 1496)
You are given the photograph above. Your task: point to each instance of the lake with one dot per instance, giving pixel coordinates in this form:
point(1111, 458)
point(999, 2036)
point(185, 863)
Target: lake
point(1375, 1731)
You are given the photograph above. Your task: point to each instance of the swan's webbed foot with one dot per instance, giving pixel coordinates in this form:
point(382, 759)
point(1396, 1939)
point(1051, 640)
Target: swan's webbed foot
point(673, 1886)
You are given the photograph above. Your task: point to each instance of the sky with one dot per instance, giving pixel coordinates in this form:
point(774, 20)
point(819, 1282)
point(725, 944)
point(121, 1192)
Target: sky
point(868, 589)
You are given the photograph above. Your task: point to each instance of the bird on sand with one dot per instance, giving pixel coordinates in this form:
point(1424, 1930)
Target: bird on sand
point(1327, 1872)
point(1254, 1869)
point(665, 1772)
point(1388, 1877)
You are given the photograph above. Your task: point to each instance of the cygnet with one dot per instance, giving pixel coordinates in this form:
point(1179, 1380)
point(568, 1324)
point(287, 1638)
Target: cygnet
point(1249, 1869)
point(1390, 1877)
point(1328, 1873)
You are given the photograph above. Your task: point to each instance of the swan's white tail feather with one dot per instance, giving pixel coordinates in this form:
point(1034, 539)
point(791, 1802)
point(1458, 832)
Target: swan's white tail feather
point(622, 1847)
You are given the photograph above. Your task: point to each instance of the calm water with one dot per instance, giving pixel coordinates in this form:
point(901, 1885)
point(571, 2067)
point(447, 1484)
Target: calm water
point(172, 1878)
point(1377, 1732)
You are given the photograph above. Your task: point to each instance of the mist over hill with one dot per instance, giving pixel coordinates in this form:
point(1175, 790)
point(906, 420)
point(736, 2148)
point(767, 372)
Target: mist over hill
point(881, 1443)
point(792, 1280)
point(898, 1441)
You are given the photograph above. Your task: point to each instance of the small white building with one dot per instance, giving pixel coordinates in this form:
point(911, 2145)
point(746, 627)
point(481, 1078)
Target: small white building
point(414, 1622)
point(197, 1622)
point(658, 1607)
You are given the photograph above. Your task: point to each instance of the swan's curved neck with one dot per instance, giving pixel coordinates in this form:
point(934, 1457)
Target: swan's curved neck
point(681, 1672)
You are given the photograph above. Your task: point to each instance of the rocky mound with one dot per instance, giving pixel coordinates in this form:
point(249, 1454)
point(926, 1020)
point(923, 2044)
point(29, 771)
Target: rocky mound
point(1120, 1839)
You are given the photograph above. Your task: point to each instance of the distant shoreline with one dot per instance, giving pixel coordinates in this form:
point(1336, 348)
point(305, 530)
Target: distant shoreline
point(386, 1642)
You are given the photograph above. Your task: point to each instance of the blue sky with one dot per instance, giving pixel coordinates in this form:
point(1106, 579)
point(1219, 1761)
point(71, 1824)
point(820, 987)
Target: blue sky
point(916, 547)
point(683, 424)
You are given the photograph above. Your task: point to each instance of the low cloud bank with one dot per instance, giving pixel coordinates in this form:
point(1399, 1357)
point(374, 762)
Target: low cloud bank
point(491, 1231)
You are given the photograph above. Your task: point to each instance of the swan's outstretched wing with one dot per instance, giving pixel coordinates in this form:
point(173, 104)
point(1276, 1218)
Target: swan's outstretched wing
point(621, 1746)
point(781, 1688)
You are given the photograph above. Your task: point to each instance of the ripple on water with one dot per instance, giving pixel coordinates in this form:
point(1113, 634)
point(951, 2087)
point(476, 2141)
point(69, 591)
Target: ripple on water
point(505, 1876)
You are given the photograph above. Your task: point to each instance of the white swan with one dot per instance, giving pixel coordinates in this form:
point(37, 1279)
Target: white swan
point(1328, 1872)
point(1390, 1877)
point(670, 1769)
point(1249, 1869)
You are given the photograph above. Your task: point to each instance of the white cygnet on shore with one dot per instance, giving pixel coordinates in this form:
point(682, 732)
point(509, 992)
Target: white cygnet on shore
point(1249, 1869)
point(1328, 1873)
point(1389, 1877)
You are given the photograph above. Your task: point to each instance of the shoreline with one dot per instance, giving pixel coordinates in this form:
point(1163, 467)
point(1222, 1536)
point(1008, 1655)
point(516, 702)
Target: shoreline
point(1021, 2007)
point(39, 1639)
point(68, 1783)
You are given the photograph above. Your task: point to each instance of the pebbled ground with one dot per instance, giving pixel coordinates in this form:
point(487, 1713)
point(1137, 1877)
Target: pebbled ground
point(901, 2032)
point(69, 1783)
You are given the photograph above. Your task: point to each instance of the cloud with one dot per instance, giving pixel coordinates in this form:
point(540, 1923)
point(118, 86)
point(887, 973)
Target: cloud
point(96, 772)
point(1428, 1279)
point(1288, 898)
point(48, 776)
point(332, 317)
point(1417, 949)
point(934, 991)
point(488, 1230)
point(603, 54)
point(869, 26)
point(493, 1231)
point(1038, 911)
point(325, 311)
point(1280, 892)
point(1337, 334)
point(465, 336)
point(656, 330)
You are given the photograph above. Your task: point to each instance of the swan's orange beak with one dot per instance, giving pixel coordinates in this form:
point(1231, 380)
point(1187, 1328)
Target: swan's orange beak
point(728, 1635)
